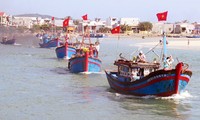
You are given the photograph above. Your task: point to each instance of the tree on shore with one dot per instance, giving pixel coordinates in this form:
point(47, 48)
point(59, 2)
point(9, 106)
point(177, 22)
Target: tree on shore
point(103, 30)
point(145, 26)
point(125, 28)
point(35, 28)
point(45, 27)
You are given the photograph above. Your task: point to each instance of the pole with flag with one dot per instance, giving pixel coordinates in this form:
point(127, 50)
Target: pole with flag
point(163, 17)
point(85, 17)
point(116, 30)
point(66, 23)
point(85, 28)
point(53, 24)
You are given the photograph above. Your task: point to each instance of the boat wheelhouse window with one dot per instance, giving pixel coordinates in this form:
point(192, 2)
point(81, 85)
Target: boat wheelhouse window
point(124, 68)
point(124, 71)
point(147, 71)
point(134, 71)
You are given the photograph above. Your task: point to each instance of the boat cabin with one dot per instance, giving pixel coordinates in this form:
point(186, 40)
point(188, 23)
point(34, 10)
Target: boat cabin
point(135, 70)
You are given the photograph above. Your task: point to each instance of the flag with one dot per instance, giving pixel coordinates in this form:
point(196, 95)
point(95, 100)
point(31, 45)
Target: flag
point(66, 22)
point(85, 17)
point(162, 16)
point(52, 18)
point(115, 30)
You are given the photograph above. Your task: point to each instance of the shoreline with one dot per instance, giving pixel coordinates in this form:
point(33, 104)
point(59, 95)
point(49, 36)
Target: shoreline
point(30, 39)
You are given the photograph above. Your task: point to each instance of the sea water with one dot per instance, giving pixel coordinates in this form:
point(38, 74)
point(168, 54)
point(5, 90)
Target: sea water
point(35, 85)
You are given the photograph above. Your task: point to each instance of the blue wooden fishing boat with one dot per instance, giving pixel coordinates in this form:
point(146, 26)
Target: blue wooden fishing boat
point(86, 57)
point(84, 63)
point(98, 35)
point(8, 42)
point(193, 36)
point(65, 51)
point(51, 43)
point(141, 79)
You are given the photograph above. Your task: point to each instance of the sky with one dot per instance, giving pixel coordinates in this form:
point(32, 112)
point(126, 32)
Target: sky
point(145, 10)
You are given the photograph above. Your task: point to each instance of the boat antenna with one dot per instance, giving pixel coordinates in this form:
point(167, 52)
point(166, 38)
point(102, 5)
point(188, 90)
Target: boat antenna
point(164, 49)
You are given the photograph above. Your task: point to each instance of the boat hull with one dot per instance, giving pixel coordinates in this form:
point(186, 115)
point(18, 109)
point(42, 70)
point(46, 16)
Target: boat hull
point(9, 42)
point(194, 36)
point(78, 64)
point(158, 83)
point(52, 43)
point(62, 52)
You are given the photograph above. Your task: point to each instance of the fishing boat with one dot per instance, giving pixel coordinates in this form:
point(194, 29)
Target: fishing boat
point(193, 36)
point(52, 43)
point(65, 51)
point(98, 35)
point(146, 78)
point(86, 59)
point(8, 42)
point(84, 63)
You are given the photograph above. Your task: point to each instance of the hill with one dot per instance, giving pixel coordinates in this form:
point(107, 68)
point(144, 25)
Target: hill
point(35, 15)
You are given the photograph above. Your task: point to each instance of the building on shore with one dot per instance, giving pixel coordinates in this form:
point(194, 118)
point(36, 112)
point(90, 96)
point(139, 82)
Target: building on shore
point(5, 20)
point(197, 28)
point(111, 22)
point(94, 25)
point(186, 28)
point(132, 22)
point(160, 26)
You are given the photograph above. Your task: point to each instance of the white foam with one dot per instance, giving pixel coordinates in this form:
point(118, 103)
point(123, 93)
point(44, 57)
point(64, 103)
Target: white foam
point(102, 72)
point(17, 44)
point(182, 95)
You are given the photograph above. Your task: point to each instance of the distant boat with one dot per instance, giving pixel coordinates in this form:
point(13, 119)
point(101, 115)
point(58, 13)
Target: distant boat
point(84, 63)
point(65, 51)
point(98, 35)
point(51, 43)
point(10, 41)
point(193, 36)
point(86, 59)
point(141, 79)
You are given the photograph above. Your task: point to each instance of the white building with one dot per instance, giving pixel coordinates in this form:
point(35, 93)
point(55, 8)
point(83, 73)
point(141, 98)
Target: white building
point(5, 19)
point(187, 28)
point(111, 22)
point(93, 25)
point(130, 21)
point(24, 21)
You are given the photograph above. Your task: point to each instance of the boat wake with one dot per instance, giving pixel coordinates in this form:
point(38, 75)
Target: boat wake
point(17, 44)
point(183, 95)
point(102, 72)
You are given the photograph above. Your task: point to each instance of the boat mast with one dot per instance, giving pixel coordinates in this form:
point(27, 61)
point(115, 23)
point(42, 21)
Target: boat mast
point(164, 49)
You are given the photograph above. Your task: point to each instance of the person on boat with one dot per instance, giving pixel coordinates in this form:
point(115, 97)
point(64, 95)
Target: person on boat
point(169, 62)
point(91, 50)
point(45, 38)
point(97, 47)
point(141, 57)
point(4, 39)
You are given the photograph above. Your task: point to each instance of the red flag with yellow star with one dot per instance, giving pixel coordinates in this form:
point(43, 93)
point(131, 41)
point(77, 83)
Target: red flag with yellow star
point(162, 16)
point(115, 30)
point(85, 17)
point(66, 22)
point(52, 18)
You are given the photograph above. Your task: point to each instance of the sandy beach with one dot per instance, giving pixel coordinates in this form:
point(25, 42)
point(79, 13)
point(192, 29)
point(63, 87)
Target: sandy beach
point(175, 43)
